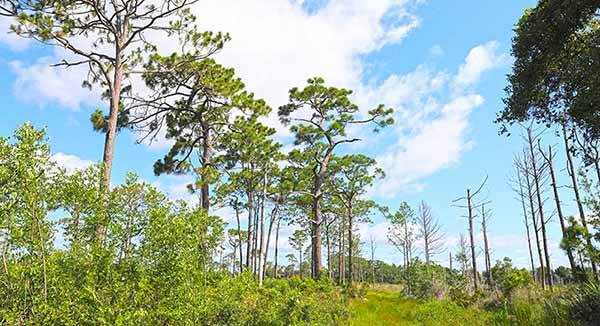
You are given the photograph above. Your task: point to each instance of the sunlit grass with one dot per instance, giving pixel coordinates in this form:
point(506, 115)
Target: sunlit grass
point(382, 307)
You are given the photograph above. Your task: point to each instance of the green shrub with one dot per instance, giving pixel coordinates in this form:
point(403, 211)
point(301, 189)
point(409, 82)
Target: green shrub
point(446, 312)
point(240, 301)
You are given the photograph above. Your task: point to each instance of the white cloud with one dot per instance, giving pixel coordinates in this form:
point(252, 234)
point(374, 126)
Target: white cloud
point(70, 162)
point(276, 45)
point(40, 83)
point(14, 42)
point(438, 144)
point(176, 187)
point(432, 119)
point(480, 59)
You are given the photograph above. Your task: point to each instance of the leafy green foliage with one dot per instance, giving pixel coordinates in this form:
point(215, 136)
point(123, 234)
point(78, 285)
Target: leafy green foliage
point(555, 73)
point(152, 268)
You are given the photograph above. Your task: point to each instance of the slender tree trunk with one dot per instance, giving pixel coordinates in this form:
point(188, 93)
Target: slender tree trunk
point(206, 162)
point(571, 169)
point(261, 252)
point(535, 226)
point(43, 248)
point(239, 230)
point(488, 267)
point(408, 250)
point(549, 161)
point(255, 258)
point(472, 238)
point(316, 226)
point(536, 179)
point(300, 262)
point(341, 254)
point(350, 245)
point(271, 222)
point(249, 240)
point(450, 258)
point(526, 225)
point(109, 140)
point(372, 260)
point(276, 273)
point(328, 243)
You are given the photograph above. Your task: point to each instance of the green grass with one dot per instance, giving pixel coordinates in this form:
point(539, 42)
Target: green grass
point(381, 307)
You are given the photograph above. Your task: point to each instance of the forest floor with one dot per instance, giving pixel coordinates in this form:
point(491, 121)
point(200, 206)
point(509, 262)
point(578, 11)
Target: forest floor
point(382, 307)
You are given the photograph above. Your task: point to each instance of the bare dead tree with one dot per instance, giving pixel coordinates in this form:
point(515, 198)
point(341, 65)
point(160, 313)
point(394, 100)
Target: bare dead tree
point(538, 174)
point(373, 247)
point(430, 232)
point(523, 165)
point(548, 157)
point(518, 188)
point(485, 216)
point(462, 256)
point(471, 204)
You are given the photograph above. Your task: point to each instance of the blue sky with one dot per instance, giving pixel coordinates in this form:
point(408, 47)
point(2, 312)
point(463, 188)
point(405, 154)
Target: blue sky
point(440, 64)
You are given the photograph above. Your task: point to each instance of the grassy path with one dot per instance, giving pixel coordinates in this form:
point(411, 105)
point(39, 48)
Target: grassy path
point(385, 307)
point(381, 308)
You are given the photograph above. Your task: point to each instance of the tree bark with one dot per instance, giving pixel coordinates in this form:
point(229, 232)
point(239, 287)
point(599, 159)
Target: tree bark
point(536, 179)
point(328, 244)
point(350, 245)
point(341, 265)
point(276, 273)
point(249, 240)
point(316, 226)
point(549, 161)
point(257, 208)
point(535, 227)
point(571, 170)
point(488, 263)
point(472, 239)
point(206, 163)
point(239, 230)
point(523, 206)
point(261, 251)
point(109, 140)
point(271, 222)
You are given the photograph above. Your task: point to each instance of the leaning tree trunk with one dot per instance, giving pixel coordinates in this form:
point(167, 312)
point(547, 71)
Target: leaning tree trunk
point(571, 170)
point(561, 218)
point(271, 222)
